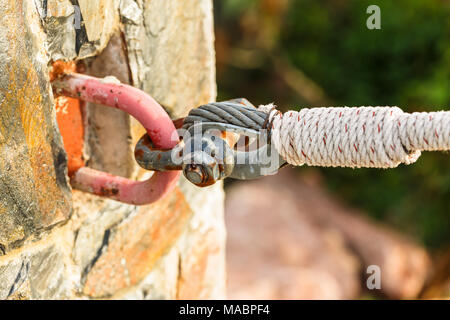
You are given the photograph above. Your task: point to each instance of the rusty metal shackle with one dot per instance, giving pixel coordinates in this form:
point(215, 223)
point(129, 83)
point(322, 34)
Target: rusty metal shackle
point(206, 158)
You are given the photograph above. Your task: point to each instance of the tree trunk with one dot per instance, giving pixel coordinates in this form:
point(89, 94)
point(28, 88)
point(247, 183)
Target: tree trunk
point(61, 243)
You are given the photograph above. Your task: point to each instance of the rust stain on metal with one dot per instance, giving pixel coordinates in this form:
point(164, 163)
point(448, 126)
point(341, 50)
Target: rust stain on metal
point(138, 153)
point(146, 146)
point(230, 137)
point(178, 123)
point(206, 179)
point(109, 191)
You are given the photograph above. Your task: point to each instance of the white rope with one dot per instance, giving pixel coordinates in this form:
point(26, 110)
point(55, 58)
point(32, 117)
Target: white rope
point(374, 137)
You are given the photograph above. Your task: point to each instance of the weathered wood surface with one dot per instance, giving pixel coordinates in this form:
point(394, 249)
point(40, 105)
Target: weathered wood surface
point(34, 192)
point(84, 246)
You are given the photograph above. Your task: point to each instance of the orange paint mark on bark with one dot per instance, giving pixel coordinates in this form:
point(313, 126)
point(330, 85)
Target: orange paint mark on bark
point(61, 67)
point(70, 120)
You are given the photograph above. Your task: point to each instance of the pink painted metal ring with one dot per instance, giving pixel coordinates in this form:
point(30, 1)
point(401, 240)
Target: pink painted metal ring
point(148, 112)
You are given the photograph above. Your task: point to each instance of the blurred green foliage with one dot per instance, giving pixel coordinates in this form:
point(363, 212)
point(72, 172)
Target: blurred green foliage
point(406, 63)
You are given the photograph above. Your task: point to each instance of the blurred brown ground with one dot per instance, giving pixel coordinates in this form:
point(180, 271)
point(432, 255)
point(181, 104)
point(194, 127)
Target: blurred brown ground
point(290, 239)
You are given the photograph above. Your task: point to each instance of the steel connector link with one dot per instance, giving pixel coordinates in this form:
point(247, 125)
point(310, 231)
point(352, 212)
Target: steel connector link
point(211, 150)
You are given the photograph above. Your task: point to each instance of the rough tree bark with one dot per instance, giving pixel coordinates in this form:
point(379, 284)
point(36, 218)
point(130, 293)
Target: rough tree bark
point(58, 243)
